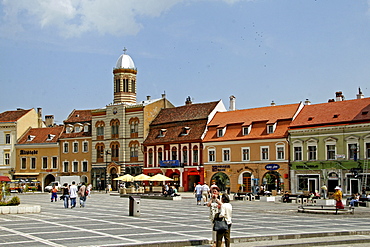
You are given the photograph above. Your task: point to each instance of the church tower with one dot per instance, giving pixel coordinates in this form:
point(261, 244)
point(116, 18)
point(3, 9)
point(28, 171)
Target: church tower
point(124, 80)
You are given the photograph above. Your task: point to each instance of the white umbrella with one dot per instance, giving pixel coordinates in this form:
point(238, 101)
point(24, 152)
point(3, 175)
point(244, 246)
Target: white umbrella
point(160, 177)
point(125, 178)
point(142, 177)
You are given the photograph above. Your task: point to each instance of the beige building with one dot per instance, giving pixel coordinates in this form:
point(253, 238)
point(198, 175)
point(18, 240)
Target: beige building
point(13, 124)
point(119, 129)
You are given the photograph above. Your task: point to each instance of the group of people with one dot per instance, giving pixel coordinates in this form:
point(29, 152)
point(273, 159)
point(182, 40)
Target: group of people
point(203, 192)
point(168, 190)
point(71, 192)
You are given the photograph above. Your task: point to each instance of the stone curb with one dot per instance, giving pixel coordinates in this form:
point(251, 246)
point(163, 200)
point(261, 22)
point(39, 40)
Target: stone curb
point(26, 209)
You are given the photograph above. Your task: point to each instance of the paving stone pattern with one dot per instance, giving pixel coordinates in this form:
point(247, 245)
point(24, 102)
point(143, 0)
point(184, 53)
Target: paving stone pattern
point(105, 221)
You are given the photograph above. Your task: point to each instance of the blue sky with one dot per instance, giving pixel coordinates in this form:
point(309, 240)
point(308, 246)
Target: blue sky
point(59, 55)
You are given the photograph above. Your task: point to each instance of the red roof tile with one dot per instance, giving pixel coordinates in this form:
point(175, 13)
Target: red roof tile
point(339, 112)
point(41, 135)
point(79, 116)
point(12, 116)
point(257, 117)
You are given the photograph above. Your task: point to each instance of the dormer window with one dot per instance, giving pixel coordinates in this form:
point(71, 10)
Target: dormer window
point(185, 131)
point(77, 129)
point(50, 137)
point(271, 128)
point(30, 138)
point(221, 132)
point(69, 129)
point(247, 130)
point(86, 128)
point(336, 116)
point(162, 132)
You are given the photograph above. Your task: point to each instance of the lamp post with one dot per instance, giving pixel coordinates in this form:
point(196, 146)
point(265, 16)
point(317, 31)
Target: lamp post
point(107, 152)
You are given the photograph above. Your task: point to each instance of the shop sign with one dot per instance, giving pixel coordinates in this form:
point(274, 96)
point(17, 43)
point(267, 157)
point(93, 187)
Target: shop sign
point(272, 167)
point(169, 163)
point(25, 152)
point(220, 168)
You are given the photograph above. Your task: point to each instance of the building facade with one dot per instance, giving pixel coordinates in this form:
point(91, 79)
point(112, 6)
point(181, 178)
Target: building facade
point(244, 149)
point(330, 144)
point(174, 147)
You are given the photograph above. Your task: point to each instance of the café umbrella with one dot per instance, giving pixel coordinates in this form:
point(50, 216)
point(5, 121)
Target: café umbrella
point(160, 177)
point(125, 178)
point(142, 177)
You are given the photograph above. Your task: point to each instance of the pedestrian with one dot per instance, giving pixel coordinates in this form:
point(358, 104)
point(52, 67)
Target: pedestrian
point(214, 208)
point(198, 193)
point(205, 193)
point(65, 195)
point(213, 185)
point(54, 195)
point(82, 192)
point(225, 213)
point(324, 190)
point(73, 194)
point(338, 198)
point(89, 189)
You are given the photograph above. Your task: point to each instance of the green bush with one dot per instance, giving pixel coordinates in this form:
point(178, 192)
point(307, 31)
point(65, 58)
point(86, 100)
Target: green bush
point(12, 202)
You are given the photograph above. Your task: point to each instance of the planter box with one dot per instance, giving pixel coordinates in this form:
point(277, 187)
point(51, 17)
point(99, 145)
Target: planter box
point(20, 209)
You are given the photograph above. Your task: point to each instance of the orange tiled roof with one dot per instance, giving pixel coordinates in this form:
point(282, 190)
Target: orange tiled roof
point(40, 135)
point(12, 116)
point(338, 112)
point(257, 117)
point(79, 116)
point(185, 113)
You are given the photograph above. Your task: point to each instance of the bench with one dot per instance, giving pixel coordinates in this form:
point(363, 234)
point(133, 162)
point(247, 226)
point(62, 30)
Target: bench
point(324, 209)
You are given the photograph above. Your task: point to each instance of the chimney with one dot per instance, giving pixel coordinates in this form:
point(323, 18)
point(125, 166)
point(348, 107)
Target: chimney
point(49, 120)
point(360, 95)
point(307, 102)
point(232, 103)
point(188, 101)
point(339, 96)
point(273, 103)
point(39, 117)
point(331, 100)
point(163, 95)
point(148, 97)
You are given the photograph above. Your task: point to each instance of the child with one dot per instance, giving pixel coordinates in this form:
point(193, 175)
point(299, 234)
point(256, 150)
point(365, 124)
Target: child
point(54, 195)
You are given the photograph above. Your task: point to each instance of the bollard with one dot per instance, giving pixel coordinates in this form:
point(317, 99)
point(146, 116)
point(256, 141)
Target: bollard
point(134, 206)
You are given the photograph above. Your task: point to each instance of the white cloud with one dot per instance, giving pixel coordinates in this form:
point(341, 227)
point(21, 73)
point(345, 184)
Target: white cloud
point(72, 18)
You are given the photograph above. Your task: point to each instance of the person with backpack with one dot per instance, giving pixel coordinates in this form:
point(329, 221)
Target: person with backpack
point(54, 196)
point(83, 193)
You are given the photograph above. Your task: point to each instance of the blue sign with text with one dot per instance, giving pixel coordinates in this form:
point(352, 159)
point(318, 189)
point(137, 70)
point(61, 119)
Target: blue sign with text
point(272, 167)
point(169, 163)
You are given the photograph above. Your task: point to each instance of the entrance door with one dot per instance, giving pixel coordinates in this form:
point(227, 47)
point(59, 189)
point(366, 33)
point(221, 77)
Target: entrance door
point(354, 186)
point(312, 184)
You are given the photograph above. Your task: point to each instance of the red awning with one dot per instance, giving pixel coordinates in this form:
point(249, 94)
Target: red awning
point(4, 179)
point(193, 173)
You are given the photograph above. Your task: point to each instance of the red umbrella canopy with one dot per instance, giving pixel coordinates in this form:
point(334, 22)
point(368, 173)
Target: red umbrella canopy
point(4, 179)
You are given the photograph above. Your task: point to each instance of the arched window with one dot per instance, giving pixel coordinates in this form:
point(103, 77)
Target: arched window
point(114, 123)
point(160, 154)
point(174, 153)
point(195, 155)
point(99, 147)
point(100, 130)
point(134, 151)
point(115, 150)
point(150, 157)
point(134, 127)
point(185, 155)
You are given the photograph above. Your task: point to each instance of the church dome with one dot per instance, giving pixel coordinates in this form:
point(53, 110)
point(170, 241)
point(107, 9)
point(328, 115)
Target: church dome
point(125, 62)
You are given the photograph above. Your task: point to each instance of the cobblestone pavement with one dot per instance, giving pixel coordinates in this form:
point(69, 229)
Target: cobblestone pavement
point(105, 221)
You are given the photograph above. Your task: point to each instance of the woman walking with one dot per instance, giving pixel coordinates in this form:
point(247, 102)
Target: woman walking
point(65, 195)
point(225, 213)
point(214, 205)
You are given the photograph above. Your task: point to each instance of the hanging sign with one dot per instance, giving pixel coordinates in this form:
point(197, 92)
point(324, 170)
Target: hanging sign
point(272, 167)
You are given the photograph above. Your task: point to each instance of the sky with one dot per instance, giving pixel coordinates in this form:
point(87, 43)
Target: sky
point(59, 54)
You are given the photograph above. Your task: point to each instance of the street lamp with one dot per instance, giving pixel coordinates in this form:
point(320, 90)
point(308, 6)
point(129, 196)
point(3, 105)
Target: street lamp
point(107, 152)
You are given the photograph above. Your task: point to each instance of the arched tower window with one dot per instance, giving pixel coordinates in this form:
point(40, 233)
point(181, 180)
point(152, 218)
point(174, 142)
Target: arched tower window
point(115, 150)
point(134, 151)
point(114, 123)
point(100, 130)
point(134, 127)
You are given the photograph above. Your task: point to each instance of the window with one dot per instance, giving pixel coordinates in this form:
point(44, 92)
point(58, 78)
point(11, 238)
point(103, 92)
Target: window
point(174, 153)
point(280, 152)
point(352, 151)
point(65, 147)
point(65, 166)
point(6, 158)
point(86, 128)
point(33, 163)
point(55, 162)
point(100, 152)
point(245, 154)
point(312, 153)
point(23, 163)
point(195, 154)
point(134, 151)
point(150, 157)
point(271, 128)
point(162, 132)
point(100, 130)
point(77, 129)
point(115, 128)
point(367, 145)
point(264, 153)
point(84, 166)
point(185, 131)
point(75, 147)
point(247, 130)
point(211, 156)
point(115, 151)
point(75, 166)
point(7, 138)
point(220, 132)
point(85, 147)
point(134, 127)
point(160, 154)
point(330, 152)
point(226, 154)
point(185, 155)
point(297, 153)
point(44, 162)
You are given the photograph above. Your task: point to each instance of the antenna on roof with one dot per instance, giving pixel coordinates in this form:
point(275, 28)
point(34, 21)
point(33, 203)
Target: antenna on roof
point(124, 50)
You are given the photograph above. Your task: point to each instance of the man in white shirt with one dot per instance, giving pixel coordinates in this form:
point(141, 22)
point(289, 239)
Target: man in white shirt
point(205, 193)
point(73, 194)
point(198, 193)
